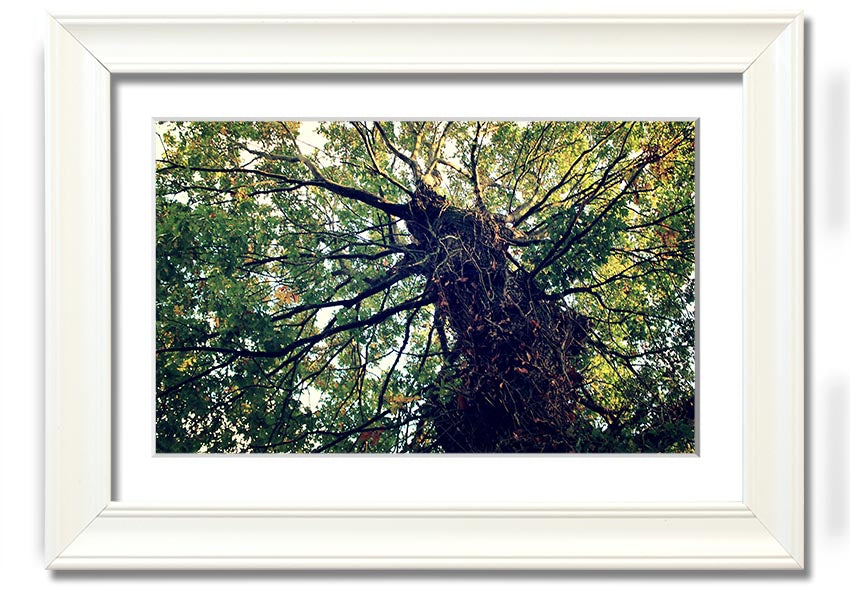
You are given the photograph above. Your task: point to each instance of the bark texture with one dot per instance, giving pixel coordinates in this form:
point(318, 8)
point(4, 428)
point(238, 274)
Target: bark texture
point(514, 383)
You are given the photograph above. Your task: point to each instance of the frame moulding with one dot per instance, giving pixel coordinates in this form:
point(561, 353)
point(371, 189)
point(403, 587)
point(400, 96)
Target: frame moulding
point(85, 529)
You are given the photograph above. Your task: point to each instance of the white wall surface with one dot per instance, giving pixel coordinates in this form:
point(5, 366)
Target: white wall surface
point(21, 347)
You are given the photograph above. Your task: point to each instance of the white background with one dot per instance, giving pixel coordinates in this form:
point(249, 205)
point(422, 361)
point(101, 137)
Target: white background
point(21, 351)
point(713, 476)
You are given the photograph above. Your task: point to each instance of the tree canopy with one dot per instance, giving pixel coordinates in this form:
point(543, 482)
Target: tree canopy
point(425, 286)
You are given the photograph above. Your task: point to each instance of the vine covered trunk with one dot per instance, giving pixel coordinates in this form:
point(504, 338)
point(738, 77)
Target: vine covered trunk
point(514, 386)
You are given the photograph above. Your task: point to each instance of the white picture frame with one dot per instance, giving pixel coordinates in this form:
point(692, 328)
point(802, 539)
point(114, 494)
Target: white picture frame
point(86, 529)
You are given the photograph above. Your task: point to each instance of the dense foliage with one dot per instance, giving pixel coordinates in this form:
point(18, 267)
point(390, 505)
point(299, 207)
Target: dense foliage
point(425, 287)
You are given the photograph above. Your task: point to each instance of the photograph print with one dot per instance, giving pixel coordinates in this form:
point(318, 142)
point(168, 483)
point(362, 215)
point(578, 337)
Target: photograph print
point(425, 286)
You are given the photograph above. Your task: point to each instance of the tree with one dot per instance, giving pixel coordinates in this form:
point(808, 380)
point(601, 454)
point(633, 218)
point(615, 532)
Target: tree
point(425, 287)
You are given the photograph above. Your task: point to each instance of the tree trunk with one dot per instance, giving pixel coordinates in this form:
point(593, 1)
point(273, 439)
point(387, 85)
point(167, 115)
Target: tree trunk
point(514, 385)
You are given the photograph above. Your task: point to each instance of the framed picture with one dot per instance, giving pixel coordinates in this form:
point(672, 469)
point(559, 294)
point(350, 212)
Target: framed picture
point(373, 326)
